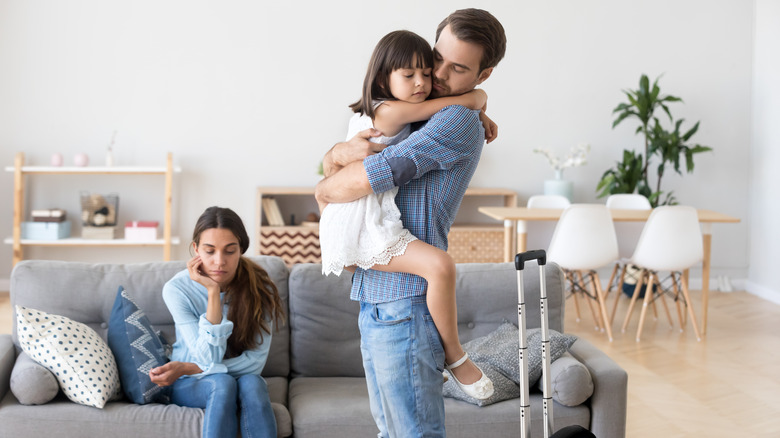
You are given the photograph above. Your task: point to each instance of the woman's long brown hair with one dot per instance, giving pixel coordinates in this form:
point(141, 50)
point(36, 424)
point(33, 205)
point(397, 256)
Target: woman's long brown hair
point(251, 295)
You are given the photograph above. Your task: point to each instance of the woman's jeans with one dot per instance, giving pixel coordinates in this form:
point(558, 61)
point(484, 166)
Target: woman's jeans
point(223, 397)
point(403, 359)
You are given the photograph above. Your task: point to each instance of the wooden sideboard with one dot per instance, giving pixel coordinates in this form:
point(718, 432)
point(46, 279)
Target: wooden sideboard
point(298, 241)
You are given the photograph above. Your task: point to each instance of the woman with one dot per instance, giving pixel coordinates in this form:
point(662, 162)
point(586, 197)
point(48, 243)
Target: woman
point(224, 307)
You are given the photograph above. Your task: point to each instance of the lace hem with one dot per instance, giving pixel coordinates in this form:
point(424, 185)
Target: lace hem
point(366, 261)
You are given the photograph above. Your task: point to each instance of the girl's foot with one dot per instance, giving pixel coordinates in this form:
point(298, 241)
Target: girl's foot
point(470, 378)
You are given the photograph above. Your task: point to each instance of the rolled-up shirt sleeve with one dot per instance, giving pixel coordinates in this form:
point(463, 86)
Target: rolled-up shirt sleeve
point(448, 137)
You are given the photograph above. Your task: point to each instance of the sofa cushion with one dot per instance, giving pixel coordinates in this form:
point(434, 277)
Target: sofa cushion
point(504, 387)
point(497, 355)
point(137, 349)
point(78, 357)
point(324, 334)
point(570, 381)
point(31, 382)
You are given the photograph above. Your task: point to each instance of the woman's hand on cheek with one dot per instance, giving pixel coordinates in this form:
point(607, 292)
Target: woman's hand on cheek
point(195, 268)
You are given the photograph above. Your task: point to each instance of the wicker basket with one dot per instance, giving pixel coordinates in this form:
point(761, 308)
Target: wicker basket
point(292, 244)
point(476, 244)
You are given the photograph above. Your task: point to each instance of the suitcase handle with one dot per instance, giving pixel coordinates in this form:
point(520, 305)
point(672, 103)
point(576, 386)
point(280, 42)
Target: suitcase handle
point(536, 254)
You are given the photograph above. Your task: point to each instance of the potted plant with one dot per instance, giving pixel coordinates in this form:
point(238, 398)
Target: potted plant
point(631, 175)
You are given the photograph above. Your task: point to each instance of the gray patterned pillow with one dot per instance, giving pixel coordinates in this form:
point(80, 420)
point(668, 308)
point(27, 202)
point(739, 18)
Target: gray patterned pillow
point(497, 355)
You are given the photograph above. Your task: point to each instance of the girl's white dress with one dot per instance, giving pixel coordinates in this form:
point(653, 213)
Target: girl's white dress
point(367, 231)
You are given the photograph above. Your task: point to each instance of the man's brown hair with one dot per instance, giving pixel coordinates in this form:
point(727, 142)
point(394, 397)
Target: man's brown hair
point(478, 27)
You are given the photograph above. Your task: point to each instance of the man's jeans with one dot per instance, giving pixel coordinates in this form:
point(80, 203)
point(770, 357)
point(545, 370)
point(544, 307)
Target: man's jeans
point(222, 396)
point(403, 359)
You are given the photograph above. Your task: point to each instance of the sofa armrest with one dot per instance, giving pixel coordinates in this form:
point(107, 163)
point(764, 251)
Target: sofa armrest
point(608, 404)
point(7, 360)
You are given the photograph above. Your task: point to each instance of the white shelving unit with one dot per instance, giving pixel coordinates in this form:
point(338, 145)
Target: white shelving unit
point(20, 171)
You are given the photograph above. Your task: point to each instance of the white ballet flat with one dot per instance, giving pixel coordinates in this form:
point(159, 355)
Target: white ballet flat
point(481, 389)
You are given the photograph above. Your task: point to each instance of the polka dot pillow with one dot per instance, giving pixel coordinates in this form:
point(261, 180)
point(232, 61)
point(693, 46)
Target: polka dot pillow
point(78, 357)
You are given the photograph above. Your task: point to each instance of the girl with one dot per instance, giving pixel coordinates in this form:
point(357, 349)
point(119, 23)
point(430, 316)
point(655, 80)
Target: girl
point(368, 232)
point(224, 307)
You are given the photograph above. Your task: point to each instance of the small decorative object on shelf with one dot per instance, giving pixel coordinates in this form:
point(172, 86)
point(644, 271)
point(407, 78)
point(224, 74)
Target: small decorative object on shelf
point(49, 215)
point(81, 160)
point(45, 230)
point(98, 232)
point(98, 210)
point(56, 159)
point(576, 157)
point(141, 231)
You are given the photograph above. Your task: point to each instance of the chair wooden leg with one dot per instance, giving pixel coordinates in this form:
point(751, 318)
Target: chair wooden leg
point(648, 299)
point(633, 299)
point(612, 278)
point(677, 301)
point(602, 303)
point(663, 301)
point(689, 305)
point(618, 294)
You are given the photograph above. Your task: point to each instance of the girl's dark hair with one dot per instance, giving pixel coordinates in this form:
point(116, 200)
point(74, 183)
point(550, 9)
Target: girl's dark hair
point(251, 295)
point(399, 49)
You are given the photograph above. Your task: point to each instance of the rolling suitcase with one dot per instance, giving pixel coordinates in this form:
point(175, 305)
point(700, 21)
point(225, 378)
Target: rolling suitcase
point(525, 403)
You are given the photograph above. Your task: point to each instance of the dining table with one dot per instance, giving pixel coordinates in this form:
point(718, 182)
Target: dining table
point(516, 218)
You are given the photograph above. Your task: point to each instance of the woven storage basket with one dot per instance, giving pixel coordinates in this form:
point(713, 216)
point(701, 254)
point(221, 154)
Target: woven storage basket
point(476, 244)
point(292, 244)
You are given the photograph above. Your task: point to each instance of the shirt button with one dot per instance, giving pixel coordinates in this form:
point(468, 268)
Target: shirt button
point(103, 325)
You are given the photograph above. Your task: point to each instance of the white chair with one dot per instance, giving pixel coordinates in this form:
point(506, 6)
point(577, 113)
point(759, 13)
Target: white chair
point(671, 241)
point(548, 201)
point(627, 235)
point(537, 234)
point(584, 240)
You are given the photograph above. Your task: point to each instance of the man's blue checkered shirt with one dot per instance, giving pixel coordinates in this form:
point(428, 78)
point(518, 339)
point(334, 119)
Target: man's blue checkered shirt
point(444, 154)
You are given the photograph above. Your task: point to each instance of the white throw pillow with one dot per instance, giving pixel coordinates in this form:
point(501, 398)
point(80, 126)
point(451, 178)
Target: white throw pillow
point(78, 357)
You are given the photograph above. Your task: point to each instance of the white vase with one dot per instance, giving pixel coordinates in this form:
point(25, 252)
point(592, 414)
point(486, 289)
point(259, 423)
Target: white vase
point(559, 187)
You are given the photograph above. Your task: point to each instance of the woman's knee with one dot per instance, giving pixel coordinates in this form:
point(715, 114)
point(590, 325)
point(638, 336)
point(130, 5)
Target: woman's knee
point(252, 382)
point(222, 386)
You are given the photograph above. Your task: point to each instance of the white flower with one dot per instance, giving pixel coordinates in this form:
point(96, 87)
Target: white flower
point(576, 157)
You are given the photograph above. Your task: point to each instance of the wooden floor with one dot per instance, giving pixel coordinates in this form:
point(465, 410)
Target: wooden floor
point(727, 385)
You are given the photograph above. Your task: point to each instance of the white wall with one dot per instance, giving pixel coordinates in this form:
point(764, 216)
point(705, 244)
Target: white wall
point(765, 154)
point(247, 94)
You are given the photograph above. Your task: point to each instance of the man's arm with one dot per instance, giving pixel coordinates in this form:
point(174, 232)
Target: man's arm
point(348, 184)
point(355, 149)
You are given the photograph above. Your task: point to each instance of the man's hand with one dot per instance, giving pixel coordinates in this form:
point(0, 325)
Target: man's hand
point(491, 129)
point(356, 149)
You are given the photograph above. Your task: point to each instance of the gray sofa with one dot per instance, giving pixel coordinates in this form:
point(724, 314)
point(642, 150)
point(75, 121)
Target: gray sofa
point(314, 371)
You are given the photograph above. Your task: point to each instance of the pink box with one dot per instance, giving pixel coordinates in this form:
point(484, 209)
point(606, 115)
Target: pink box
point(141, 231)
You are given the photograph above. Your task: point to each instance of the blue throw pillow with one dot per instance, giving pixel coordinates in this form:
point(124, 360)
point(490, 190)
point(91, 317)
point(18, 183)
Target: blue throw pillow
point(137, 349)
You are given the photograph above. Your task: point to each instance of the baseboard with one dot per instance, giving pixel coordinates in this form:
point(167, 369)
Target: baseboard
point(763, 292)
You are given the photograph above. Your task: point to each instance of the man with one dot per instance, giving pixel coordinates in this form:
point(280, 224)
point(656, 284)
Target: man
point(402, 353)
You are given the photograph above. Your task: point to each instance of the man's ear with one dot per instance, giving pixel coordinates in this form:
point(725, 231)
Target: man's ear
point(484, 74)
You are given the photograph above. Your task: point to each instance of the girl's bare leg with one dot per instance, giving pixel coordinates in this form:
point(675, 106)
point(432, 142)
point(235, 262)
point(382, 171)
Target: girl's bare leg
point(437, 267)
